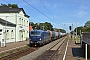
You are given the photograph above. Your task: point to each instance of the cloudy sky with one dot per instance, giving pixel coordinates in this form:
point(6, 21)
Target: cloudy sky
point(60, 13)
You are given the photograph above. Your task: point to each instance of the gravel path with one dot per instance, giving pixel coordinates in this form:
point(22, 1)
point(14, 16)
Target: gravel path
point(38, 52)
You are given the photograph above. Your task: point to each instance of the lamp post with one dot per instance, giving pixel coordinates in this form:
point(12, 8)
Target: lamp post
point(37, 25)
point(5, 32)
point(73, 30)
point(76, 32)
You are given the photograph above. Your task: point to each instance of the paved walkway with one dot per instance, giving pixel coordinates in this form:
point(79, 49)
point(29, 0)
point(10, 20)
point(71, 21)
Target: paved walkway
point(74, 51)
point(10, 46)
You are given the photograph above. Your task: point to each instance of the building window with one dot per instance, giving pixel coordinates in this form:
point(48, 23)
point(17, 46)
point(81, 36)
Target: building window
point(20, 35)
point(27, 33)
point(27, 23)
point(20, 21)
point(7, 34)
point(24, 22)
point(0, 30)
point(24, 34)
point(12, 34)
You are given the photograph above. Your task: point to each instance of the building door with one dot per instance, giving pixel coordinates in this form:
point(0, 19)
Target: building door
point(0, 38)
point(0, 35)
point(21, 35)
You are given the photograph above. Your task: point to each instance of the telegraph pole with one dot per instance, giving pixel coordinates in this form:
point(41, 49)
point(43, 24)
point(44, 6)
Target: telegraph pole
point(71, 28)
point(72, 31)
point(65, 27)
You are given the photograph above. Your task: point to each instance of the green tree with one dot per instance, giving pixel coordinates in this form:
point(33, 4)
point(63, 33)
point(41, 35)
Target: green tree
point(78, 29)
point(87, 24)
point(13, 5)
point(9, 5)
point(42, 26)
point(31, 24)
point(62, 30)
point(48, 26)
point(3, 5)
point(85, 28)
point(45, 26)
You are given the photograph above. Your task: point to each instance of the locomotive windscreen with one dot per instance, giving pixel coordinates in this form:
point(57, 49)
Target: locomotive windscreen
point(35, 33)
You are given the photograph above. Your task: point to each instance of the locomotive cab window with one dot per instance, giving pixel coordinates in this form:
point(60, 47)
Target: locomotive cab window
point(35, 33)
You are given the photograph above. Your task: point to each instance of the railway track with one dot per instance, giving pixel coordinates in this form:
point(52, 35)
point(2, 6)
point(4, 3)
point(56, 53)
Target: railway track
point(16, 55)
point(49, 54)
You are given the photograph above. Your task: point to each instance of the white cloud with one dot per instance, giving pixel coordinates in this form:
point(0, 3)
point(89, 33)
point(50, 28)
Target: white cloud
point(83, 7)
point(52, 5)
point(82, 11)
point(55, 6)
point(33, 2)
point(46, 4)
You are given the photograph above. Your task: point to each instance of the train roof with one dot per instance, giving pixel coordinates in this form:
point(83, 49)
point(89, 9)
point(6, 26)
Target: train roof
point(38, 30)
point(41, 31)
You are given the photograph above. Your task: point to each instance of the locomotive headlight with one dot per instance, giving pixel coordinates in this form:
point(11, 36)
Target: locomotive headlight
point(31, 42)
point(40, 39)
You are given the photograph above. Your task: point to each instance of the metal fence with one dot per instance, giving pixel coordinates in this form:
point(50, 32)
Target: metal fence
point(85, 37)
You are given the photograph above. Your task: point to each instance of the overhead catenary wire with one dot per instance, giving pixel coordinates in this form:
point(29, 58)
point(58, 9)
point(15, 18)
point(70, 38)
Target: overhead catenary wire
point(6, 1)
point(41, 12)
point(33, 16)
point(38, 10)
point(47, 9)
point(36, 17)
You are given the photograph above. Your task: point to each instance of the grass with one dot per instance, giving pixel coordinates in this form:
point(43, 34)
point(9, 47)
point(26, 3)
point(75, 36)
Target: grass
point(74, 38)
point(13, 51)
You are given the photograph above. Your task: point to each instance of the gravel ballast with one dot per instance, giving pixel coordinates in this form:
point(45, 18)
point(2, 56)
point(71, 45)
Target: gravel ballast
point(38, 52)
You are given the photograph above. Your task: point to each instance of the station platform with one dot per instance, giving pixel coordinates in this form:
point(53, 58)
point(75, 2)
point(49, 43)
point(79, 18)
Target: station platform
point(74, 51)
point(14, 45)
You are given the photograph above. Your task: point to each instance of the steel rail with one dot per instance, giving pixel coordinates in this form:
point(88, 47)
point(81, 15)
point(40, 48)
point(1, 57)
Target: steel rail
point(50, 51)
point(57, 49)
point(16, 55)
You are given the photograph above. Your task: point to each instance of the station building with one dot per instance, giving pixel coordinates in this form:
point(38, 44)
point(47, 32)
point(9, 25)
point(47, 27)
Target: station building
point(14, 25)
point(85, 43)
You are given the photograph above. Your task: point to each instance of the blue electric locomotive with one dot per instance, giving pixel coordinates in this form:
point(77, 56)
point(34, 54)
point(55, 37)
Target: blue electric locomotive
point(39, 37)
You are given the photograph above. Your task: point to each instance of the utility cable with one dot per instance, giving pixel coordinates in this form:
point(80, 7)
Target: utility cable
point(47, 9)
point(38, 10)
